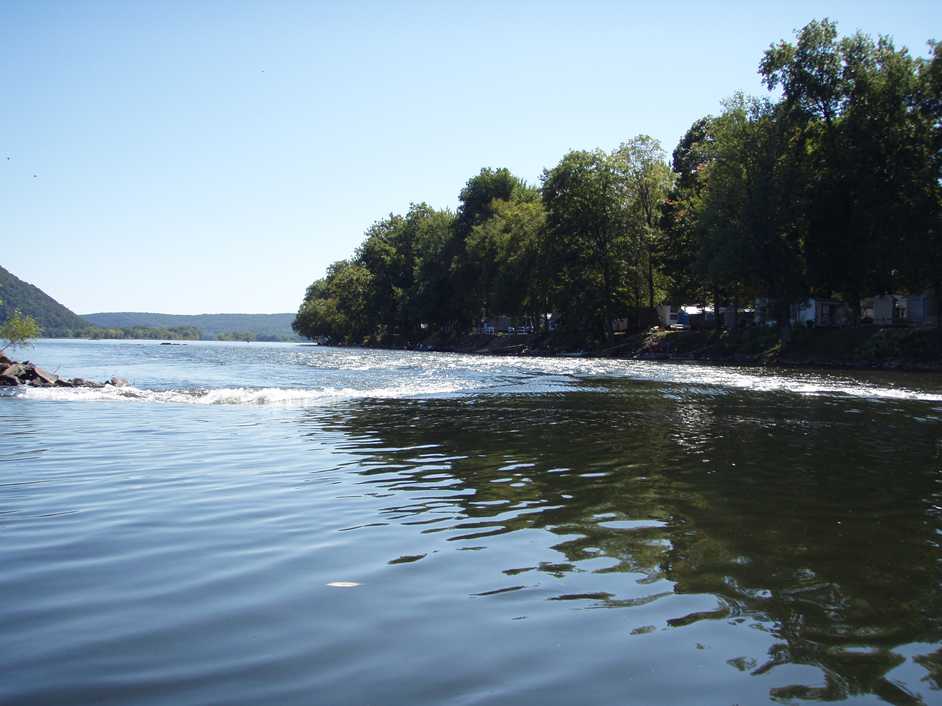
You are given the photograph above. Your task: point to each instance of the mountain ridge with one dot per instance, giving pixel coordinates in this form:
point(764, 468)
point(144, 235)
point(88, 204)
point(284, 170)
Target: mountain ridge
point(273, 326)
point(54, 318)
point(58, 321)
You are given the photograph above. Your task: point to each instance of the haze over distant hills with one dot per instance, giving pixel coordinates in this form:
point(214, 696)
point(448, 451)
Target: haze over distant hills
point(276, 326)
point(57, 321)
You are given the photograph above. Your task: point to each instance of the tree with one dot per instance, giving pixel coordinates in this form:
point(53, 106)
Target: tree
point(338, 306)
point(867, 134)
point(586, 219)
point(18, 330)
point(648, 179)
point(433, 299)
point(476, 207)
point(507, 249)
point(680, 247)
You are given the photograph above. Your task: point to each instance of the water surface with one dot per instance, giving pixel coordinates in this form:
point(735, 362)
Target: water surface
point(282, 524)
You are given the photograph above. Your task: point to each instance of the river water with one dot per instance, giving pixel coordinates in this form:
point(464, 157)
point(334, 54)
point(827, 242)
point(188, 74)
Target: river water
point(287, 524)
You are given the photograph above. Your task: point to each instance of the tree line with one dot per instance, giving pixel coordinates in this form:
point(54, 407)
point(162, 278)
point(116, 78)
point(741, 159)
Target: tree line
point(830, 186)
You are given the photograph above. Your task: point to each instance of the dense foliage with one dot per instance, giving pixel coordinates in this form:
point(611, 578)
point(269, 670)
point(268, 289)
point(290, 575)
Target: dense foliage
point(176, 333)
point(18, 330)
point(262, 327)
point(53, 318)
point(833, 188)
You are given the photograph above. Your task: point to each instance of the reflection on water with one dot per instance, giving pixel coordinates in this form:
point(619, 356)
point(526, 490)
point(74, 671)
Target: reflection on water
point(811, 523)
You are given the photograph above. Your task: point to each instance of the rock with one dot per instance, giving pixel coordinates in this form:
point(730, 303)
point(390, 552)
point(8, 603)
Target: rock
point(4, 361)
point(62, 382)
point(81, 382)
point(117, 382)
point(8, 380)
point(15, 370)
point(46, 377)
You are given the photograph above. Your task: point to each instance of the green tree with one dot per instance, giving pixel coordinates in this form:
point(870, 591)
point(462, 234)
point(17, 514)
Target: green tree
point(508, 251)
point(476, 206)
point(680, 211)
point(18, 330)
point(433, 299)
point(867, 133)
point(586, 221)
point(339, 305)
point(648, 179)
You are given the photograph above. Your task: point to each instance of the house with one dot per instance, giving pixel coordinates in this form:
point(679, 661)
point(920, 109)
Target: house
point(764, 313)
point(669, 315)
point(890, 309)
point(816, 312)
point(886, 310)
point(495, 324)
point(918, 308)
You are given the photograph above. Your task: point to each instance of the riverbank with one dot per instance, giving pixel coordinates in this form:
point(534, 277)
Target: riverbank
point(862, 347)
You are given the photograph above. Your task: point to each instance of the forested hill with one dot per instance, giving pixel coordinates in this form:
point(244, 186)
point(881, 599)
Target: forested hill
point(53, 318)
point(257, 326)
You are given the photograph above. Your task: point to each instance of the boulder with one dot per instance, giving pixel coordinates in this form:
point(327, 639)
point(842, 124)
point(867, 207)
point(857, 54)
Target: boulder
point(4, 361)
point(15, 370)
point(62, 382)
point(117, 382)
point(81, 382)
point(46, 377)
point(8, 380)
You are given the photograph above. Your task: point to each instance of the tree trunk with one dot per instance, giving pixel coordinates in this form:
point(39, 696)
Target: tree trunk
point(734, 319)
point(937, 290)
point(650, 279)
point(854, 301)
point(783, 315)
point(717, 324)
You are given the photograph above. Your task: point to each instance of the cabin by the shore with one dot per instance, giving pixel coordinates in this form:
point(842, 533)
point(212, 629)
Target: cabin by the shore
point(896, 309)
point(669, 315)
point(821, 313)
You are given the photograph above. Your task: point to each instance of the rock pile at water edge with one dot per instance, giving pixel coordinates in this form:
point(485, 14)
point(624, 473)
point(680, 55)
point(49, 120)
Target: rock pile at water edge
point(13, 374)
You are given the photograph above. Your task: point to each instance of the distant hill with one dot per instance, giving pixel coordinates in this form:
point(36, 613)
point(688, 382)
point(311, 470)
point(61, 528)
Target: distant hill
point(54, 319)
point(57, 321)
point(261, 326)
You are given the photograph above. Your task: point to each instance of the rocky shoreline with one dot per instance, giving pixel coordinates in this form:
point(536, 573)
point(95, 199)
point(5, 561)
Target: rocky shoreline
point(15, 374)
point(858, 348)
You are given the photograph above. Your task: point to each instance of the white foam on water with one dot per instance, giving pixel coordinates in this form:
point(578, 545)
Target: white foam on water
point(407, 374)
point(232, 395)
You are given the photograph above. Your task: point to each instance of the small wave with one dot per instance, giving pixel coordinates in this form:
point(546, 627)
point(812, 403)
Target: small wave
point(233, 395)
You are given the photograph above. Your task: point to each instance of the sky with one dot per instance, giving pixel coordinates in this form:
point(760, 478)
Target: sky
point(204, 157)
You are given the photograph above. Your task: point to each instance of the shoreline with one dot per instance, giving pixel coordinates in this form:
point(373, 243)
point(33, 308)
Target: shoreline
point(864, 348)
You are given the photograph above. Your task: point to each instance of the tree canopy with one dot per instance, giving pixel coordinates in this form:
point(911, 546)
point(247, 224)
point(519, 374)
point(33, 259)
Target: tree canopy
point(829, 186)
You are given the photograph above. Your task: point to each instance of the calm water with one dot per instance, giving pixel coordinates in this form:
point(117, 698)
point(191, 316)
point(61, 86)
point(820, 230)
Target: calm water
point(281, 524)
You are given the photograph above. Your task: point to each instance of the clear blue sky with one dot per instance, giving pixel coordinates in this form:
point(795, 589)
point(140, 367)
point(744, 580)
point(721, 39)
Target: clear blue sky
point(207, 156)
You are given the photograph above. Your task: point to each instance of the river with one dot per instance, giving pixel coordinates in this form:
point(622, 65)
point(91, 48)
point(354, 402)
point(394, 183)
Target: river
point(288, 524)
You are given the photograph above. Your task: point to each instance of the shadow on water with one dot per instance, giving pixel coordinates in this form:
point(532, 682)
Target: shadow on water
point(815, 520)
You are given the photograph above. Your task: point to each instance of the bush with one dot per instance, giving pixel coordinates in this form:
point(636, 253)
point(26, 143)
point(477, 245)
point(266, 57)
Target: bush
point(18, 330)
